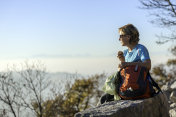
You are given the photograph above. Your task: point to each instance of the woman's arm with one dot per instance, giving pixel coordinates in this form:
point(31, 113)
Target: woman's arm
point(146, 63)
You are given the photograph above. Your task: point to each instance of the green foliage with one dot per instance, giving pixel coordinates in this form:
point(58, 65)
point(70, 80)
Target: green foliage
point(78, 96)
point(159, 70)
point(51, 107)
point(171, 62)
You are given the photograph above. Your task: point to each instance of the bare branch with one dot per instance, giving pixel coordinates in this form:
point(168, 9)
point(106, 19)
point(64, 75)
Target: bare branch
point(165, 16)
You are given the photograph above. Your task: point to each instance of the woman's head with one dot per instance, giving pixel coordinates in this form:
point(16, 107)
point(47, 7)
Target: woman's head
point(131, 31)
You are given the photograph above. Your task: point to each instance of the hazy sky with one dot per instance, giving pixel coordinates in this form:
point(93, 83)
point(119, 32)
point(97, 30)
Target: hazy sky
point(72, 35)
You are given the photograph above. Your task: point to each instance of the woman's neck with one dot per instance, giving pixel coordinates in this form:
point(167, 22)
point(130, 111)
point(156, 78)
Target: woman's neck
point(131, 46)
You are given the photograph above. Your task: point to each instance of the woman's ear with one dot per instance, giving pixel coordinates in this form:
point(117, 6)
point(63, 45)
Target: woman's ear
point(129, 38)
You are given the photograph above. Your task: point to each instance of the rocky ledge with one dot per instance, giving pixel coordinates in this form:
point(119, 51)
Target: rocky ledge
point(156, 106)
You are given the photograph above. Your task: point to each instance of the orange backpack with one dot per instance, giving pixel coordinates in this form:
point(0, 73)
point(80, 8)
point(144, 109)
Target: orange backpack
point(135, 83)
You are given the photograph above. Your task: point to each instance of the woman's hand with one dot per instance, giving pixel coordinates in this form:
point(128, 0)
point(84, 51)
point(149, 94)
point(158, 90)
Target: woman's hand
point(120, 56)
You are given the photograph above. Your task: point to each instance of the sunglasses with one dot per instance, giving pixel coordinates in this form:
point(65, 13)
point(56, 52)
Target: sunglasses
point(121, 36)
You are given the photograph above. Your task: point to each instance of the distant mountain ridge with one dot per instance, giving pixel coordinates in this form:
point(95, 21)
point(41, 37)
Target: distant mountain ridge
point(64, 75)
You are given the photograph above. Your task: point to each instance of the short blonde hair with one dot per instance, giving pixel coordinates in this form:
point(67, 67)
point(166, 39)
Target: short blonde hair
point(131, 30)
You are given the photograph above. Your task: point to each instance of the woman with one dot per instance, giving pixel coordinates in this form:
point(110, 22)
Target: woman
point(136, 54)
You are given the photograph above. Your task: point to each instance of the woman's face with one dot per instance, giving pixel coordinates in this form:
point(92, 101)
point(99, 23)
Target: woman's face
point(124, 39)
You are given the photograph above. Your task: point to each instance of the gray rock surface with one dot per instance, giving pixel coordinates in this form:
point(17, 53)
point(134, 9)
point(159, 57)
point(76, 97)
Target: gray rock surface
point(172, 112)
point(173, 96)
point(173, 86)
point(151, 107)
point(173, 105)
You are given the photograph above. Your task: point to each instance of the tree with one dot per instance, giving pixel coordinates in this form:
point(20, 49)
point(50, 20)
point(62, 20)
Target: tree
point(164, 12)
point(28, 89)
point(78, 96)
point(9, 93)
point(34, 84)
point(24, 89)
point(51, 106)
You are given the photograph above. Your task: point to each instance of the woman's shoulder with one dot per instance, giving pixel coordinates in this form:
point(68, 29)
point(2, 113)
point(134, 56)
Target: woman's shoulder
point(141, 47)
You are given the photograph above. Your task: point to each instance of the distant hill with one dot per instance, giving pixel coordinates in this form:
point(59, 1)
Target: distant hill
point(58, 76)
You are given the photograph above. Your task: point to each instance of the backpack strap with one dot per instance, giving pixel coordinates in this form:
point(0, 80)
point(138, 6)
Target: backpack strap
point(154, 83)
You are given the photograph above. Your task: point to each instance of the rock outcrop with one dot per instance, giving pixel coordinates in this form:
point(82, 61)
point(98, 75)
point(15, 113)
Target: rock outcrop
point(156, 106)
point(170, 90)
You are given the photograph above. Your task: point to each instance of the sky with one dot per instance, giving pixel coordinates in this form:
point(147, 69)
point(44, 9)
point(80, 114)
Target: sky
point(75, 36)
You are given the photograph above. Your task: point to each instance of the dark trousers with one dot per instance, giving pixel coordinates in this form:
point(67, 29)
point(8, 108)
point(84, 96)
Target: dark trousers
point(106, 98)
